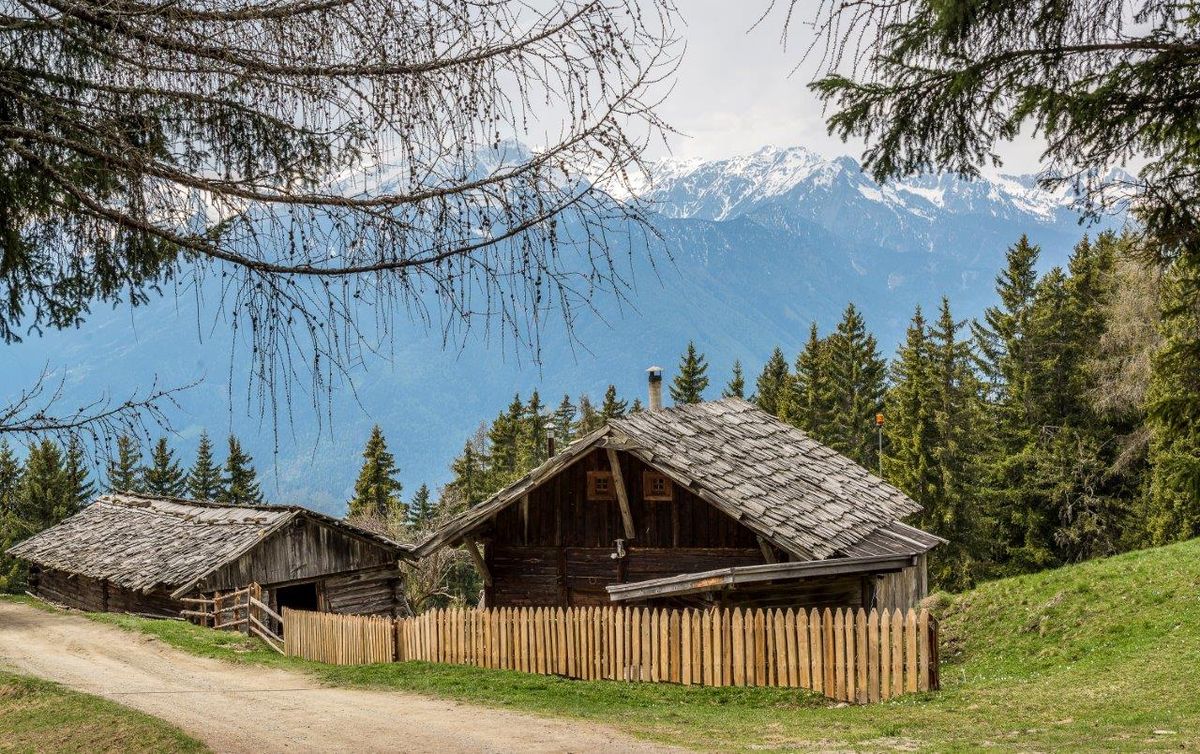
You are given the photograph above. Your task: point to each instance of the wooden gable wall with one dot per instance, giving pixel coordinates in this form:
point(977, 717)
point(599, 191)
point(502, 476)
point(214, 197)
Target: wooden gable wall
point(557, 549)
point(302, 550)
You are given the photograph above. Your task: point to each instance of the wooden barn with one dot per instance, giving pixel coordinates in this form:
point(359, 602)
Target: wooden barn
point(145, 555)
point(717, 503)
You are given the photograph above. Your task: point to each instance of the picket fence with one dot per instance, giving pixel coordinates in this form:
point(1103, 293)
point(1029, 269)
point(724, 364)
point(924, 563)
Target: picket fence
point(848, 654)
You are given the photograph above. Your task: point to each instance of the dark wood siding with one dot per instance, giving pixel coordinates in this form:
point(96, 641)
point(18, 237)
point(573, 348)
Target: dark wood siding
point(557, 550)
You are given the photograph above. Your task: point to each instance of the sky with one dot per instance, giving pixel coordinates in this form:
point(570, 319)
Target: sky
point(738, 89)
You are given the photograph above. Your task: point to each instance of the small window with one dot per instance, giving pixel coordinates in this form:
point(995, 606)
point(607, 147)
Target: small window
point(657, 486)
point(600, 486)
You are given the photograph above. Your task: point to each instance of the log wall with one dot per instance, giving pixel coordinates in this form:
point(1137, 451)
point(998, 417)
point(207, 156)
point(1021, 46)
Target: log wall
point(97, 596)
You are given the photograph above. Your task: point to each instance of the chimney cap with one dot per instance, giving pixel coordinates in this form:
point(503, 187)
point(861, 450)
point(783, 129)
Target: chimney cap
point(654, 369)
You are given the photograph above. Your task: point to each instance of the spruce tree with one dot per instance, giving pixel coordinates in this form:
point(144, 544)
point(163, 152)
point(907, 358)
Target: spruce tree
point(771, 388)
point(1173, 405)
point(856, 381)
point(470, 482)
point(124, 472)
point(239, 484)
point(534, 434)
point(422, 509)
point(44, 498)
point(564, 422)
point(589, 418)
point(692, 380)
point(736, 387)
point(810, 402)
point(909, 407)
point(636, 406)
point(163, 476)
point(504, 441)
point(204, 478)
point(952, 502)
point(79, 487)
point(613, 407)
point(12, 528)
point(376, 491)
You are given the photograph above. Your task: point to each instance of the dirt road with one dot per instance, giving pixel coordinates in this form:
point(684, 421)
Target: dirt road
point(236, 708)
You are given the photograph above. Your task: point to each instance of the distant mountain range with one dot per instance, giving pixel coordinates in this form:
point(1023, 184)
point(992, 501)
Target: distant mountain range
point(754, 248)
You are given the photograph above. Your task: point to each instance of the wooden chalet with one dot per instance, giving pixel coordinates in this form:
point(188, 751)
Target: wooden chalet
point(717, 503)
point(146, 555)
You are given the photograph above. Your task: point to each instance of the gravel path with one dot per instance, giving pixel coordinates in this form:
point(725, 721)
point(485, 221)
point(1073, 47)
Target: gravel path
point(235, 708)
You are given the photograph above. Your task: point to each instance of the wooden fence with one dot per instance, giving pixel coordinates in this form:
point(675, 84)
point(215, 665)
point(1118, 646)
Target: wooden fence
point(849, 655)
point(338, 639)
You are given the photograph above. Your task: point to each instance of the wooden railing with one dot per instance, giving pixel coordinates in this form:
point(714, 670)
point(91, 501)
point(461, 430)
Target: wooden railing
point(242, 610)
point(848, 654)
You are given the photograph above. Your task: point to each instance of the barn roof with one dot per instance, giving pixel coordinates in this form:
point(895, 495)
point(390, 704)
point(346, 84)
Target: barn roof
point(791, 490)
point(140, 542)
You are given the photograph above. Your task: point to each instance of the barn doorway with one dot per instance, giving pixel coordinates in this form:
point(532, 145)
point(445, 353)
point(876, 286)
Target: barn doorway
point(297, 597)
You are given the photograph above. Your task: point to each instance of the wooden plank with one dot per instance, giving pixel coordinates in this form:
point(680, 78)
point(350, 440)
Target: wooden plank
point(897, 653)
point(839, 656)
point(910, 640)
point(791, 672)
point(706, 651)
point(860, 661)
point(851, 656)
point(759, 654)
point(622, 496)
point(647, 646)
point(676, 640)
point(828, 654)
point(805, 676)
point(923, 650)
point(738, 646)
point(767, 551)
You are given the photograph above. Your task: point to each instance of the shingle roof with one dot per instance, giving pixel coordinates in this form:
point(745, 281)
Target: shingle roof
point(793, 491)
point(141, 542)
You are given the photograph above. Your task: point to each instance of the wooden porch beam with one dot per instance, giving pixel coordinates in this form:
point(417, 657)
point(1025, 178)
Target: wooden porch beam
point(477, 557)
point(622, 496)
point(768, 553)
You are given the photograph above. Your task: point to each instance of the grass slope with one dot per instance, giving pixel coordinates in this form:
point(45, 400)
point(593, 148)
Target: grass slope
point(1100, 656)
point(39, 716)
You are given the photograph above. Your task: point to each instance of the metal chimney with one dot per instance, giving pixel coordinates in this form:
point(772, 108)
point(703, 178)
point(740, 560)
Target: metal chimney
point(655, 380)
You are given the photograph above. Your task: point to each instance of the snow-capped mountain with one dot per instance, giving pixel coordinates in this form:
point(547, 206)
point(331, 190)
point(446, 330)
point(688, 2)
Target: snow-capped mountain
point(753, 249)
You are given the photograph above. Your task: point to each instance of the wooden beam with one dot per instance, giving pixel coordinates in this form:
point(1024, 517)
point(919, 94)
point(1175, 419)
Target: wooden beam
point(622, 496)
point(525, 519)
point(768, 553)
point(480, 565)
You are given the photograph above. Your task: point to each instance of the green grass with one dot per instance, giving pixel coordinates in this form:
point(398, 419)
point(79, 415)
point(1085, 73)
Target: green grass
point(1102, 656)
point(39, 716)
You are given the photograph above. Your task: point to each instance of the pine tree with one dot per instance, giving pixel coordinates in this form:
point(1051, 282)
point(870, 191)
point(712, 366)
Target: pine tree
point(771, 388)
point(204, 478)
point(1173, 405)
point(692, 380)
point(612, 407)
point(736, 387)
point(809, 405)
point(564, 422)
point(239, 484)
point(163, 476)
point(79, 487)
point(636, 406)
point(856, 380)
point(376, 491)
point(422, 508)
point(124, 472)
